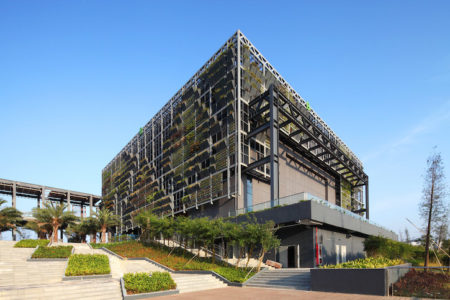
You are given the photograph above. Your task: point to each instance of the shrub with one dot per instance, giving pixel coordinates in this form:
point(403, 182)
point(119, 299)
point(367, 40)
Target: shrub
point(380, 246)
point(52, 252)
point(88, 264)
point(366, 263)
point(136, 283)
point(31, 243)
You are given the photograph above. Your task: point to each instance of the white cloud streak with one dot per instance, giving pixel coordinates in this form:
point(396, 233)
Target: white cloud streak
point(432, 121)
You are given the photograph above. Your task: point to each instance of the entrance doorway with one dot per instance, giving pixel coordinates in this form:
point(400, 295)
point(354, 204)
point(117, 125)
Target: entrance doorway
point(289, 256)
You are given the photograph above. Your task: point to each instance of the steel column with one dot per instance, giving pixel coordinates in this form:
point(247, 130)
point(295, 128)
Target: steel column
point(69, 207)
point(367, 198)
point(274, 143)
point(90, 206)
point(13, 204)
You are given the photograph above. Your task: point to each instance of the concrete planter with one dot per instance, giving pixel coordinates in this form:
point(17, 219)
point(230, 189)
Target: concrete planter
point(125, 296)
point(357, 281)
point(48, 259)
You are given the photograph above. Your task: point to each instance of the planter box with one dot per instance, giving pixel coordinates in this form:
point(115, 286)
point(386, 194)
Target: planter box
point(85, 277)
point(125, 296)
point(48, 259)
point(357, 281)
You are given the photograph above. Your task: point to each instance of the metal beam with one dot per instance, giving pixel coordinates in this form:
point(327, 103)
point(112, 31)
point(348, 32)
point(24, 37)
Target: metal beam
point(257, 163)
point(295, 132)
point(314, 147)
point(258, 130)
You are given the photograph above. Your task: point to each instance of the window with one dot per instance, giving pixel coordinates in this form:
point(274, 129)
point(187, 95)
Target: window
point(205, 163)
point(341, 253)
point(249, 195)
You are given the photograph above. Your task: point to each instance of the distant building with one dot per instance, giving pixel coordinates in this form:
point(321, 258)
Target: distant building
point(237, 138)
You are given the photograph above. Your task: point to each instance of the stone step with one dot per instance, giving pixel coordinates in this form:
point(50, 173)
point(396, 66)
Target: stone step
point(290, 287)
point(109, 290)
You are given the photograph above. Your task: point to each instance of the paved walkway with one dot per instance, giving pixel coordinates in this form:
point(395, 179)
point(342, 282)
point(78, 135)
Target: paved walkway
point(237, 293)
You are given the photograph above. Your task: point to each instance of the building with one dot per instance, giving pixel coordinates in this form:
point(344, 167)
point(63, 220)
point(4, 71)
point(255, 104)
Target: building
point(238, 138)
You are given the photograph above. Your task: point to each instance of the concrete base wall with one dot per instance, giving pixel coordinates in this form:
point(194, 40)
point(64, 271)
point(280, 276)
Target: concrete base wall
point(356, 281)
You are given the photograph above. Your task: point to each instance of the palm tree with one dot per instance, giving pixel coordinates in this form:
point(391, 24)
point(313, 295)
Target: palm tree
point(10, 217)
point(105, 218)
point(55, 216)
point(42, 229)
point(92, 227)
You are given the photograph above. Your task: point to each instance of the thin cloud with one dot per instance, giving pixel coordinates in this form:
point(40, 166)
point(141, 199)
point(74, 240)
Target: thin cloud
point(432, 121)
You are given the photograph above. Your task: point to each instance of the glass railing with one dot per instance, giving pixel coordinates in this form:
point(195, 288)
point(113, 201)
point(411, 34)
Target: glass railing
point(296, 198)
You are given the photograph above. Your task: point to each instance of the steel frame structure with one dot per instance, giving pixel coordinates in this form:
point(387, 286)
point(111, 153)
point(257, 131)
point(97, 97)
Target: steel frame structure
point(265, 113)
point(150, 151)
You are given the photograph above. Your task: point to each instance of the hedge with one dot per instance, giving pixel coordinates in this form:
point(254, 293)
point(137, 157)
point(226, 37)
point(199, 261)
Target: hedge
point(380, 246)
point(136, 283)
point(31, 243)
point(366, 263)
point(88, 264)
point(52, 252)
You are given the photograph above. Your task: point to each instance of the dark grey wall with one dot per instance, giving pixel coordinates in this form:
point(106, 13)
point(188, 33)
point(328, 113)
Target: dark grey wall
point(299, 235)
point(353, 281)
point(329, 240)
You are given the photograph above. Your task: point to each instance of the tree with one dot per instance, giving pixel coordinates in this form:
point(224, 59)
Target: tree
point(54, 216)
point(146, 220)
point(92, 227)
point(432, 206)
point(182, 228)
point(212, 233)
point(42, 230)
point(78, 231)
point(10, 217)
point(407, 237)
point(252, 239)
point(441, 230)
point(105, 218)
point(268, 240)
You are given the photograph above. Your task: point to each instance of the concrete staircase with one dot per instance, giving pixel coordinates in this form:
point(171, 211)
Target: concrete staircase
point(88, 289)
point(298, 279)
point(196, 282)
point(16, 271)
point(21, 279)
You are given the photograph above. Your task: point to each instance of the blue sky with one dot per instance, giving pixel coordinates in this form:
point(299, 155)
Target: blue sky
point(79, 78)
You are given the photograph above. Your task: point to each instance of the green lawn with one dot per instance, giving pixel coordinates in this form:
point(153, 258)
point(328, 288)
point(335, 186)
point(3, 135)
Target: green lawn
point(178, 259)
